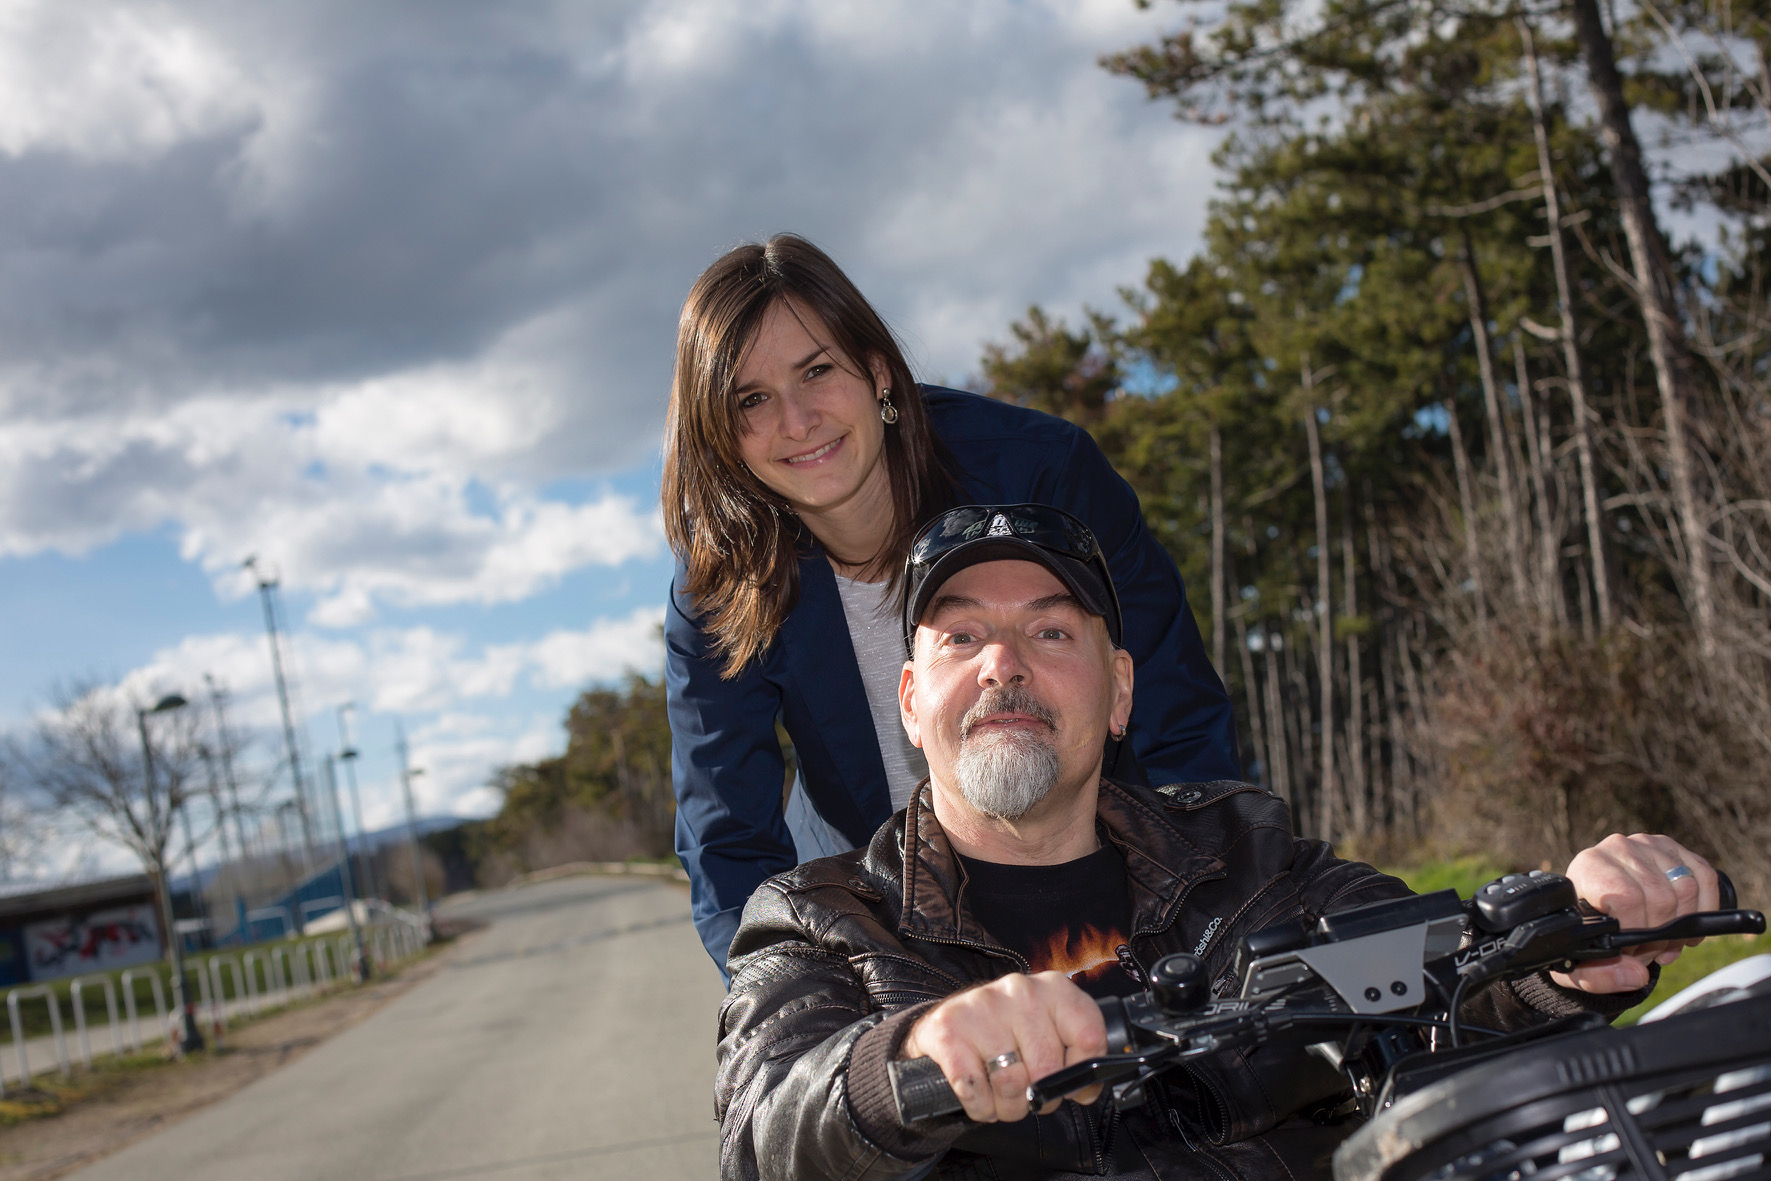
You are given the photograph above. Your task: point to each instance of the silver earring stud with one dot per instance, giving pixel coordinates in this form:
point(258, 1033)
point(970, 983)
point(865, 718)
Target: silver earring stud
point(888, 413)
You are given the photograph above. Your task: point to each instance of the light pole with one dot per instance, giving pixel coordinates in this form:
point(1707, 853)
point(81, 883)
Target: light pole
point(267, 585)
point(190, 1037)
point(360, 962)
point(368, 880)
point(407, 771)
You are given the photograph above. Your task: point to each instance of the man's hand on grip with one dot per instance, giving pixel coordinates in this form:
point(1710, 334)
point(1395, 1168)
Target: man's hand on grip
point(1044, 1021)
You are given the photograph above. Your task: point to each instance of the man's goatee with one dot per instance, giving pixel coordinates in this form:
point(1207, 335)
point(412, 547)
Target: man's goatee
point(1006, 773)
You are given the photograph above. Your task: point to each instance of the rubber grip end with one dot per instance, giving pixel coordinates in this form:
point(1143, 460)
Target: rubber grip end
point(921, 1090)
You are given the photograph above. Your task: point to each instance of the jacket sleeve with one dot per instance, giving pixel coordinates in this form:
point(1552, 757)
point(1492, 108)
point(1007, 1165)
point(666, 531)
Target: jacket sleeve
point(798, 1039)
point(727, 770)
point(1182, 729)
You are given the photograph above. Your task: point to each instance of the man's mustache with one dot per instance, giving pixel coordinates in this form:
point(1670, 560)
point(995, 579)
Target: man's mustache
point(1013, 699)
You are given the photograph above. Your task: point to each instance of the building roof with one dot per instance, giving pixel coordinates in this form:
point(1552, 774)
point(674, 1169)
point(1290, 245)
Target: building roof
point(31, 897)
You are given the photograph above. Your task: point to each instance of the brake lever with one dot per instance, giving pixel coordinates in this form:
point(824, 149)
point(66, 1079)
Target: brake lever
point(1691, 926)
point(1108, 1069)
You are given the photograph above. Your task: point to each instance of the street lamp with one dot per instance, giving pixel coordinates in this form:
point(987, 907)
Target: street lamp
point(407, 774)
point(190, 1037)
point(360, 967)
point(368, 879)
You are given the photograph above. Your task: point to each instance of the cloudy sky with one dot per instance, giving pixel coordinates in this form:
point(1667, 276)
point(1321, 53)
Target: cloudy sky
point(386, 294)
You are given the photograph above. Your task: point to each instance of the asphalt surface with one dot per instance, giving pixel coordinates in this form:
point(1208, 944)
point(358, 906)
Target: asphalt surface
point(575, 1038)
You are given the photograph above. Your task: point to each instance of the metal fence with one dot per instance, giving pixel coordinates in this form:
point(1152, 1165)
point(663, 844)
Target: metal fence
point(261, 979)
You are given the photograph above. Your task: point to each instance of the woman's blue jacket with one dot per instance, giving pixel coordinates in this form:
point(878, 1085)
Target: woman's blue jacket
point(731, 832)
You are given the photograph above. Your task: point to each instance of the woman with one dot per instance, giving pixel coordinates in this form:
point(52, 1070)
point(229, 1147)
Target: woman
point(800, 460)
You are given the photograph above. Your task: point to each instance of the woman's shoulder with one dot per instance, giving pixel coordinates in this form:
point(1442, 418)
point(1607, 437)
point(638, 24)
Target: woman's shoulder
point(962, 416)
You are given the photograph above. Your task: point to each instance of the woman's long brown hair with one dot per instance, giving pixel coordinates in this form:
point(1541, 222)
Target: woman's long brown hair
point(740, 541)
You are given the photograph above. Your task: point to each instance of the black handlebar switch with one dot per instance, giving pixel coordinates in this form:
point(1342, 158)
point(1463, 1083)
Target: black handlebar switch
point(1179, 984)
point(1518, 898)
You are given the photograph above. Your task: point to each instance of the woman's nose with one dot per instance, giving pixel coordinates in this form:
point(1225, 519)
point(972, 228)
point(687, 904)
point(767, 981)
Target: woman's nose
point(799, 417)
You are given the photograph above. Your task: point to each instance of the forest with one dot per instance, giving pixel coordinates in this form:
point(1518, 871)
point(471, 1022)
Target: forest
point(1458, 425)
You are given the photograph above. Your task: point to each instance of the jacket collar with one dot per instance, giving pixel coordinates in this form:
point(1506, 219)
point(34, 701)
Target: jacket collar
point(1161, 866)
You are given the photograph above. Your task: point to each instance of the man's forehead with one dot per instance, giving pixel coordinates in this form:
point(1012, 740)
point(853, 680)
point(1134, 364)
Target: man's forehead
point(1002, 581)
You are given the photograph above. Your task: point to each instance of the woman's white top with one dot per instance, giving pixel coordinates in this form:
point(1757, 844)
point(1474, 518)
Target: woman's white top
point(877, 632)
point(877, 635)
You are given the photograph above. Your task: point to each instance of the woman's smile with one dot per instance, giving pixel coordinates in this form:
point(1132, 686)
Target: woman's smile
point(817, 454)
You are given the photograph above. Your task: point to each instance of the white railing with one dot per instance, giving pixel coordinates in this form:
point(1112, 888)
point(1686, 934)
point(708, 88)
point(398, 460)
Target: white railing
point(299, 970)
point(18, 1028)
point(74, 995)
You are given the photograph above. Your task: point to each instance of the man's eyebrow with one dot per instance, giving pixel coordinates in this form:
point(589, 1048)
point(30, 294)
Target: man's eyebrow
point(965, 602)
point(951, 603)
point(1061, 599)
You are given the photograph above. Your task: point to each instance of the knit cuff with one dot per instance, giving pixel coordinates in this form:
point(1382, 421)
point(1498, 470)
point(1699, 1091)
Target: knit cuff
point(869, 1091)
point(1551, 999)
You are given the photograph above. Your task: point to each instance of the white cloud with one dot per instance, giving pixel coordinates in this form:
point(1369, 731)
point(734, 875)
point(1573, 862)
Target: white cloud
point(113, 81)
point(453, 689)
point(401, 671)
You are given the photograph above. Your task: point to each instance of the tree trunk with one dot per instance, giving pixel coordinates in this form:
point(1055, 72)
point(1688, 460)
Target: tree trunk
point(1659, 301)
point(1251, 689)
point(1466, 495)
point(1276, 722)
point(1358, 790)
point(1327, 801)
point(1549, 581)
point(1419, 750)
point(1569, 333)
point(1302, 733)
point(1217, 550)
point(1497, 431)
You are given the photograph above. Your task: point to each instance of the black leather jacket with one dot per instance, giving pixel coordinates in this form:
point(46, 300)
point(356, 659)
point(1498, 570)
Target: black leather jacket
point(835, 959)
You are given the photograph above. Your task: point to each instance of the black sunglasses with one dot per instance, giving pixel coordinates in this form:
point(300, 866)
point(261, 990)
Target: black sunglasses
point(1047, 527)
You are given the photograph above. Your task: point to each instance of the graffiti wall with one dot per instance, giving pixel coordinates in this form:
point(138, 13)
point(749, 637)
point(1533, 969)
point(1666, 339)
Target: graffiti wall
point(95, 942)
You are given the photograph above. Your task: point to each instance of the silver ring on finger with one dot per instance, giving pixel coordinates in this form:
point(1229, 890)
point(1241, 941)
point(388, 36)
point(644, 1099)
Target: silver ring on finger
point(1678, 872)
point(1001, 1062)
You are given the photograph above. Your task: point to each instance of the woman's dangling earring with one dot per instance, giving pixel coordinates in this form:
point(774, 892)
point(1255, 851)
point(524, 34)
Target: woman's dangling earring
point(888, 413)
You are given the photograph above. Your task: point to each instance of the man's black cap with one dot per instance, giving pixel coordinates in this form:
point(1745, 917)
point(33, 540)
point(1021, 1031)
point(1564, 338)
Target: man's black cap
point(976, 533)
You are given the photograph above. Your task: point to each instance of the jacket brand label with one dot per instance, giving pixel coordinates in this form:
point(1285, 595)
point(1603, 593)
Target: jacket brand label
point(1210, 930)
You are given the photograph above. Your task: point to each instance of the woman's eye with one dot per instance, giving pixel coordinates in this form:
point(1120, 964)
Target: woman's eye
point(817, 371)
point(752, 400)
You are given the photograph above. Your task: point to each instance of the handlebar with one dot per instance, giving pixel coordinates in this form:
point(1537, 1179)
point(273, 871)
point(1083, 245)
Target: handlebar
point(1511, 927)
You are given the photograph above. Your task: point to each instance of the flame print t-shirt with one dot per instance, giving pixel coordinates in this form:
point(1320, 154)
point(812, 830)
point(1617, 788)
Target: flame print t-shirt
point(1071, 918)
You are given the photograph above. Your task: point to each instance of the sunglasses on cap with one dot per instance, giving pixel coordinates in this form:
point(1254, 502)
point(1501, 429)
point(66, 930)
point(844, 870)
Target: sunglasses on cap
point(1033, 532)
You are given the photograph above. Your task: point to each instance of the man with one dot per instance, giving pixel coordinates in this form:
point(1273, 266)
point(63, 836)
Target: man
point(971, 926)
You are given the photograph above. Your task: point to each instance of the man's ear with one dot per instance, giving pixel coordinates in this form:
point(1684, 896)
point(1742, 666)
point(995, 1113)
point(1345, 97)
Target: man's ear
point(1120, 717)
point(907, 704)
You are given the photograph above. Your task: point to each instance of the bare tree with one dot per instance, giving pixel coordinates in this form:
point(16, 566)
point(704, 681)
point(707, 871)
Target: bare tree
point(124, 770)
point(18, 827)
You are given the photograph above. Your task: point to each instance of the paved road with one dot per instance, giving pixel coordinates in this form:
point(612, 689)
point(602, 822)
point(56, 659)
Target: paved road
point(572, 1039)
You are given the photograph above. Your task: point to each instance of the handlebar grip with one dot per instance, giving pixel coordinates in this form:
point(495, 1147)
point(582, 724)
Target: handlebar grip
point(921, 1090)
point(1727, 898)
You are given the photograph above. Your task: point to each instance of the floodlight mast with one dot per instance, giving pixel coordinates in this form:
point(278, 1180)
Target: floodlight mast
point(267, 585)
